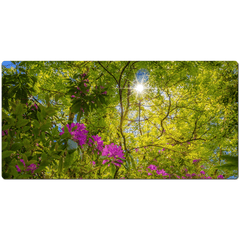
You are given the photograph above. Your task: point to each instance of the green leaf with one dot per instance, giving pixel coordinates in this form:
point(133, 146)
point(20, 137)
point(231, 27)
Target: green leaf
point(6, 127)
point(57, 96)
point(227, 166)
point(39, 116)
point(55, 131)
point(43, 111)
point(113, 170)
point(81, 154)
point(6, 154)
point(4, 145)
point(132, 161)
point(44, 156)
point(68, 160)
point(26, 128)
point(43, 137)
point(47, 98)
point(24, 157)
point(46, 126)
point(66, 136)
point(60, 166)
point(19, 109)
point(26, 143)
point(32, 161)
point(231, 159)
point(28, 153)
point(72, 145)
point(35, 132)
point(76, 107)
point(22, 123)
point(16, 146)
point(50, 111)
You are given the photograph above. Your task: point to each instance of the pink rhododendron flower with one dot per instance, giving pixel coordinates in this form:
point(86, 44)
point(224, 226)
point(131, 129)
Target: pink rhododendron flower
point(152, 167)
point(5, 132)
point(21, 160)
point(73, 96)
point(32, 167)
point(104, 161)
point(136, 149)
point(161, 172)
point(149, 174)
point(115, 152)
point(18, 169)
point(220, 176)
point(85, 84)
point(196, 160)
point(202, 172)
point(79, 135)
point(97, 141)
point(105, 93)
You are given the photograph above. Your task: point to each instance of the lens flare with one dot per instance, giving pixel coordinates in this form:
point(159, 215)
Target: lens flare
point(139, 88)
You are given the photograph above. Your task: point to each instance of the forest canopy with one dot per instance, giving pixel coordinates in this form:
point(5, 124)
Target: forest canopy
point(120, 120)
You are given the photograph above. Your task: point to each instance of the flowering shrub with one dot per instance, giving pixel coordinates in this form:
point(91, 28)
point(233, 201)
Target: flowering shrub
point(32, 167)
point(115, 152)
point(97, 142)
point(79, 134)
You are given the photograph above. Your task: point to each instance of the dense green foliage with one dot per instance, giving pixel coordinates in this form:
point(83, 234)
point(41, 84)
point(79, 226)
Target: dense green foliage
point(187, 111)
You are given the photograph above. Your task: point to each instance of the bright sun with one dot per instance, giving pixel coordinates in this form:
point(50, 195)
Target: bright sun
point(139, 88)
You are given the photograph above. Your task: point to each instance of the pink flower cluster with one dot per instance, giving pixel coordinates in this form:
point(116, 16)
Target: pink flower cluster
point(97, 142)
point(196, 160)
point(115, 152)
point(158, 171)
point(79, 134)
point(32, 167)
point(5, 132)
point(35, 105)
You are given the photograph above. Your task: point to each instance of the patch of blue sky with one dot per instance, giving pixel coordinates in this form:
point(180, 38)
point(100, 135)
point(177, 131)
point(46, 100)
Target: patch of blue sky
point(142, 75)
point(8, 64)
